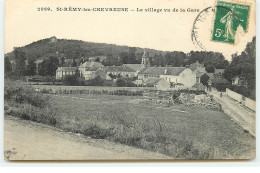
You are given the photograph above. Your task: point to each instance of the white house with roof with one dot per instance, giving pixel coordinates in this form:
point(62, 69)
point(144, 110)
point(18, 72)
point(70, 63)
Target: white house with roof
point(88, 69)
point(175, 75)
point(61, 72)
point(179, 76)
point(123, 71)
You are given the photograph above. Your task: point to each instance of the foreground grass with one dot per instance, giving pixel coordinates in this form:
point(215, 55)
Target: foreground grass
point(24, 102)
point(198, 134)
point(193, 134)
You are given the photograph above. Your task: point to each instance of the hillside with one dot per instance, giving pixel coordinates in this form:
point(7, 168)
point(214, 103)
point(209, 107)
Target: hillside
point(74, 49)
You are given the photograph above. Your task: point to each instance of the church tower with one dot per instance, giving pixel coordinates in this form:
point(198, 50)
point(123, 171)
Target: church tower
point(145, 61)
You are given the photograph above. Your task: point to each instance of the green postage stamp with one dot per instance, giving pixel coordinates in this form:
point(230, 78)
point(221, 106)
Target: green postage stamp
point(229, 17)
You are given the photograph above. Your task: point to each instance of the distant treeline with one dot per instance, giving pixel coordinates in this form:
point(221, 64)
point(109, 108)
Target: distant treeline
point(56, 52)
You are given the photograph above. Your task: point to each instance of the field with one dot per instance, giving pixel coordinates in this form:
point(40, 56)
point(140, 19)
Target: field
point(180, 132)
point(174, 130)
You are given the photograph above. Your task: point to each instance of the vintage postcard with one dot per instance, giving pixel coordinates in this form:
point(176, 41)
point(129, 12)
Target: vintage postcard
point(130, 80)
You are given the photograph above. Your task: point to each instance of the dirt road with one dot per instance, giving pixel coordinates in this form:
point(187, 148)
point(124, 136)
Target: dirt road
point(26, 140)
point(243, 116)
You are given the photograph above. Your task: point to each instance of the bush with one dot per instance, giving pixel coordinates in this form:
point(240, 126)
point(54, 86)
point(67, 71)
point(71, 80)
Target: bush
point(73, 80)
point(120, 82)
point(19, 93)
point(24, 102)
point(221, 87)
point(97, 81)
point(243, 91)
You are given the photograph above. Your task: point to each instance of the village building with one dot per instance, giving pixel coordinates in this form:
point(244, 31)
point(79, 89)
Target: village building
point(159, 83)
point(145, 61)
point(203, 78)
point(174, 75)
point(88, 69)
point(179, 76)
point(135, 67)
point(61, 72)
point(122, 71)
point(197, 68)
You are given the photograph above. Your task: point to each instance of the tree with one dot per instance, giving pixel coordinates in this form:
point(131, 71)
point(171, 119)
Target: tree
point(20, 58)
point(210, 69)
point(74, 63)
point(31, 68)
point(8, 65)
point(132, 56)
point(111, 60)
point(71, 80)
point(49, 66)
point(175, 59)
point(120, 82)
point(244, 66)
point(208, 59)
point(97, 81)
point(62, 62)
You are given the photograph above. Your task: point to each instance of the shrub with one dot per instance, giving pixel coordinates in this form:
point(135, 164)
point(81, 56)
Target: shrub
point(19, 93)
point(127, 82)
point(24, 102)
point(243, 91)
point(73, 80)
point(97, 81)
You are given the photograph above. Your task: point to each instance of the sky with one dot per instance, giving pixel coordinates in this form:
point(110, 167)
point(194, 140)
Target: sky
point(169, 31)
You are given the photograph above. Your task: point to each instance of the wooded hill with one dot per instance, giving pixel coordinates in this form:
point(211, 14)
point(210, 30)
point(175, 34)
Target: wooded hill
point(75, 49)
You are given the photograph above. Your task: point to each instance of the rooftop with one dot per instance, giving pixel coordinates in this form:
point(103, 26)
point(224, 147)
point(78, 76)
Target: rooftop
point(135, 67)
point(67, 69)
point(153, 81)
point(118, 69)
point(162, 70)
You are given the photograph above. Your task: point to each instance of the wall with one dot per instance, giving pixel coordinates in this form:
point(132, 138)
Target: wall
point(186, 77)
point(163, 85)
point(249, 103)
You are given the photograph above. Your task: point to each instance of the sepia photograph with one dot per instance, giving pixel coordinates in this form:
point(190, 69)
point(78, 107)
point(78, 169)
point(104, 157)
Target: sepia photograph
point(150, 80)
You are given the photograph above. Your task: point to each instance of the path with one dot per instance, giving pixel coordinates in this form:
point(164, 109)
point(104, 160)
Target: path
point(27, 140)
point(243, 116)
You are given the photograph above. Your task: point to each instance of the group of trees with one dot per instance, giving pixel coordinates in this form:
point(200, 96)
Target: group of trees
point(129, 57)
point(49, 66)
point(175, 59)
point(19, 67)
point(244, 67)
point(211, 60)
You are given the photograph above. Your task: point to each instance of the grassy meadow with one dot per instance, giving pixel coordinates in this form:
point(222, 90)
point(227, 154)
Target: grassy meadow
point(195, 134)
point(177, 131)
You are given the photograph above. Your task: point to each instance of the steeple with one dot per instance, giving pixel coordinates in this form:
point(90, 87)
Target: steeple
point(145, 60)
